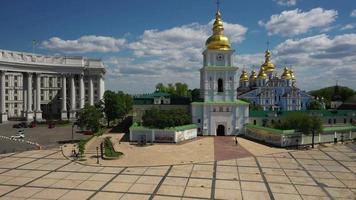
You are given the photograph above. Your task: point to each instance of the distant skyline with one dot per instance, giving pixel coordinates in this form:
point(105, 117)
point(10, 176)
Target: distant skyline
point(146, 42)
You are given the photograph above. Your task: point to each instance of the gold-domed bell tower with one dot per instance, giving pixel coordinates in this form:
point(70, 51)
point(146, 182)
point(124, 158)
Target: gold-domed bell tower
point(218, 41)
point(244, 79)
point(218, 75)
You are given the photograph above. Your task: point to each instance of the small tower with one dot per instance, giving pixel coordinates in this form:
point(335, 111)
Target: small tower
point(253, 79)
point(261, 78)
point(268, 66)
point(287, 77)
point(244, 79)
point(291, 72)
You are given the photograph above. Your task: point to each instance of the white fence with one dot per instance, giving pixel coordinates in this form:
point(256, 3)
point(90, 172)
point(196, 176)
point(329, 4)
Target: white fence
point(161, 135)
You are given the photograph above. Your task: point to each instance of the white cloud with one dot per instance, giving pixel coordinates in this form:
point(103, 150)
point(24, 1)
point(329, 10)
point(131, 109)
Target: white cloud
point(286, 2)
point(295, 22)
point(348, 27)
point(167, 56)
point(318, 61)
point(84, 44)
point(184, 42)
point(353, 13)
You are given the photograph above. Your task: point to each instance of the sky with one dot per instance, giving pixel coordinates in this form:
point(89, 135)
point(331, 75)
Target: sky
point(145, 42)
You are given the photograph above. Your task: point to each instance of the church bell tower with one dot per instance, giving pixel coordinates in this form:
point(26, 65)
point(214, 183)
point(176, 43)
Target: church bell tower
point(218, 76)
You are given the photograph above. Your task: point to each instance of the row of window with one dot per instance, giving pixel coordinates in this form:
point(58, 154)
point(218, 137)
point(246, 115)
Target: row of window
point(330, 121)
point(221, 109)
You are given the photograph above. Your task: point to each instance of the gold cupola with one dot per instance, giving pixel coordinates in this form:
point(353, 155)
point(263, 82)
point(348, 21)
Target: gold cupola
point(291, 72)
point(262, 74)
point(218, 41)
point(244, 76)
point(253, 75)
point(286, 74)
point(268, 66)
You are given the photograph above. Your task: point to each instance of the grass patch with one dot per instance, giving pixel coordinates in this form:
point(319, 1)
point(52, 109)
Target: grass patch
point(82, 143)
point(109, 151)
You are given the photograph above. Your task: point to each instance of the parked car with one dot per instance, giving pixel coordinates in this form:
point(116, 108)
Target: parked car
point(16, 125)
point(24, 124)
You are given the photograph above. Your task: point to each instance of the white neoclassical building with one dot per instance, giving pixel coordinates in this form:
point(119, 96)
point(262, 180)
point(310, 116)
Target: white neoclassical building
point(35, 86)
point(220, 113)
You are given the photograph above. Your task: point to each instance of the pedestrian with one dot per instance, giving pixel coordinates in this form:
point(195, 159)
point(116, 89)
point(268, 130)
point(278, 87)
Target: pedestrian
point(236, 140)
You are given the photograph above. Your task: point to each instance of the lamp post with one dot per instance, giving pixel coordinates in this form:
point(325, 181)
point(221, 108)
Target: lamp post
point(313, 134)
point(97, 155)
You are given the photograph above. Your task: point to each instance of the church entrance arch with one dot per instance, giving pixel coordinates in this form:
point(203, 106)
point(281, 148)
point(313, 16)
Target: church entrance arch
point(220, 131)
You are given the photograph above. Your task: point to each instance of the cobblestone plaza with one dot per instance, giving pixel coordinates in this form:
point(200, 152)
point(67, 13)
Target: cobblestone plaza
point(323, 173)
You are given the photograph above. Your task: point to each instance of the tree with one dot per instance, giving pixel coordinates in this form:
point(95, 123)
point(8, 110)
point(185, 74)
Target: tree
point(90, 117)
point(160, 87)
point(316, 127)
point(328, 92)
point(315, 105)
point(112, 107)
point(125, 102)
point(195, 95)
point(301, 122)
point(116, 105)
point(156, 118)
point(181, 89)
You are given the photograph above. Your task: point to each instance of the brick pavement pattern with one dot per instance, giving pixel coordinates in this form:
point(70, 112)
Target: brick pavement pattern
point(324, 173)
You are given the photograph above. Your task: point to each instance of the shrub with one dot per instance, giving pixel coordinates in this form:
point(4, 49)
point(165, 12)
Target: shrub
point(82, 143)
point(109, 150)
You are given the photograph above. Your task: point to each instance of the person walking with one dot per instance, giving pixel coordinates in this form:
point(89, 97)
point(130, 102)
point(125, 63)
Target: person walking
point(236, 142)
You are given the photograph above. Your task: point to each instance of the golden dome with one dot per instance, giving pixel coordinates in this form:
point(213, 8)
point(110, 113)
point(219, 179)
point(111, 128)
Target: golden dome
point(218, 41)
point(262, 74)
point(268, 66)
point(291, 72)
point(286, 74)
point(244, 76)
point(253, 75)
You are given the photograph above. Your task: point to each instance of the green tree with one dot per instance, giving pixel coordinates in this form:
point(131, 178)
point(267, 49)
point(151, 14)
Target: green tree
point(156, 118)
point(327, 93)
point(125, 102)
point(116, 105)
point(195, 95)
point(161, 88)
point(315, 105)
point(90, 117)
point(301, 122)
point(112, 108)
point(181, 89)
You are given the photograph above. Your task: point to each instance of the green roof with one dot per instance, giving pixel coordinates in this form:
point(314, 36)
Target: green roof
point(323, 113)
point(339, 128)
point(237, 101)
point(135, 126)
point(271, 130)
point(152, 95)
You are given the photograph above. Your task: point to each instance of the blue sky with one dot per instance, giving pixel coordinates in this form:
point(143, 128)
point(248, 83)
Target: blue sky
point(146, 42)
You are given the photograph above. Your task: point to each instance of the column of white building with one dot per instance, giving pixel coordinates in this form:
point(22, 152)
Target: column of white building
point(2, 97)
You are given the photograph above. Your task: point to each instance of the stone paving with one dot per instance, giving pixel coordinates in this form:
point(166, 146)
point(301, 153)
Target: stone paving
point(324, 173)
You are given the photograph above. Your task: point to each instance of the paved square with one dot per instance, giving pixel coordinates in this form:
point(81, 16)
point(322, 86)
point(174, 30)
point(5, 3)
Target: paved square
point(323, 173)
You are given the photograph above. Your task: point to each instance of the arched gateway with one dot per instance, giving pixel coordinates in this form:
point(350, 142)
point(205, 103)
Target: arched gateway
point(220, 131)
